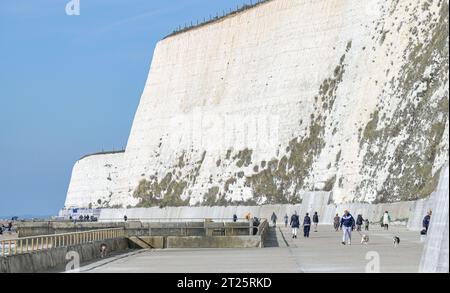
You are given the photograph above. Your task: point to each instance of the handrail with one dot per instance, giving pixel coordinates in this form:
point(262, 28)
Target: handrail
point(168, 220)
point(263, 227)
point(44, 242)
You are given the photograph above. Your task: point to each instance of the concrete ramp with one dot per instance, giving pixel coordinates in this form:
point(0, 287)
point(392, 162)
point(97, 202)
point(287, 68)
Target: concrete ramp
point(274, 238)
point(145, 242)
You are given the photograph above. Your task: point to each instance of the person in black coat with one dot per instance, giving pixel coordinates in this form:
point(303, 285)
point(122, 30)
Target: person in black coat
point(306, 226)
point(274, 219)
point(256, 223)
point(316, 221)
point(295, 224)
point(359, 222)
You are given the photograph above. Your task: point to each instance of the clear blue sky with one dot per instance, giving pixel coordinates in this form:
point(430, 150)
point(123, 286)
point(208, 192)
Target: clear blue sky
point(70, 85)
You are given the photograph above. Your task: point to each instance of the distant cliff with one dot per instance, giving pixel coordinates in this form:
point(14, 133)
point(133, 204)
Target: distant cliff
point(286, 97)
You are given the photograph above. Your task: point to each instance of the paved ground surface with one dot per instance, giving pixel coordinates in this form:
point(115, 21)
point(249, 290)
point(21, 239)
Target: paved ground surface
point(322, 252)
point(7, 236)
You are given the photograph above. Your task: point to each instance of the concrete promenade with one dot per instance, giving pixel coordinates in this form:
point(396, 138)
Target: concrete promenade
point(321, 253)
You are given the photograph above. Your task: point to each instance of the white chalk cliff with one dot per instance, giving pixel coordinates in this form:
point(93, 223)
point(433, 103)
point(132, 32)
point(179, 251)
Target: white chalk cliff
point(283, 98)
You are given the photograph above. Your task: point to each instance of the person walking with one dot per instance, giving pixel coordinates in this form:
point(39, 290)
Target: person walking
point(256, 223)
point(295, 224)
point(274, 219)
point(386, 220)
point(347, 224)
point(306, 226)
point(366, 224)
point(359, 222)
point(426, 222)
point(125, 218)
point(336, 221)
point(286, 220)
point(316, 221)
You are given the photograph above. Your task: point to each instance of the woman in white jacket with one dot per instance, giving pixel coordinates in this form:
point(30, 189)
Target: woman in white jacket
point(386, 220)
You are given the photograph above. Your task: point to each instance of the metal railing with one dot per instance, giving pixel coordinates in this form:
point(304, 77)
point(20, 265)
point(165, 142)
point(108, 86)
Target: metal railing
point(169, 220)
point(263, 227)
point(37, 243)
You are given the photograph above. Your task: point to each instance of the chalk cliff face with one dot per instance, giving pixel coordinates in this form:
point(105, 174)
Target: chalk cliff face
point(286, 97)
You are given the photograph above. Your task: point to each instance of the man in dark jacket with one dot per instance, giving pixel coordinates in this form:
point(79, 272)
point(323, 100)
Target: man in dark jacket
point(347, 225)
point(295, 224)
point(235, 218)
point(306, 226)
point(316, 221)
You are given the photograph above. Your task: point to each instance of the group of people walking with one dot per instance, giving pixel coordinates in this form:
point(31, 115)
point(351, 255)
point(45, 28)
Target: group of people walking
point(294, 222)
point(347, 224)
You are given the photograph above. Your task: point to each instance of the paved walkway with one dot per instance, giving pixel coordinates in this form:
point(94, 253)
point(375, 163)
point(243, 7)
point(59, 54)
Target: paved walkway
point(322, 252)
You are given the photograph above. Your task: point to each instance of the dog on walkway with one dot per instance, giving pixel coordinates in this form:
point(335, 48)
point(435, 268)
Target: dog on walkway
point(365, 239)
point(396, 240)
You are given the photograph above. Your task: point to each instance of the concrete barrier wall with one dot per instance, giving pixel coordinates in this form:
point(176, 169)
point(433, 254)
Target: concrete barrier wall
point(401, 213)
point(46, 260)
point(214, 242)
point(131, 228)
point(435, 257)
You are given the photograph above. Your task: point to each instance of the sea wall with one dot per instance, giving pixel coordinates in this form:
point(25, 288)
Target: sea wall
point(46, 260)
point(435, 258)
point(400, 212)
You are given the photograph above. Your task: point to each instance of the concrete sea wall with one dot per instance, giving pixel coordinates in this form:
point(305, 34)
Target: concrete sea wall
point(43, 261)
point(400, 212)
point(214, 242)
point(435, 258)
point(173, 227)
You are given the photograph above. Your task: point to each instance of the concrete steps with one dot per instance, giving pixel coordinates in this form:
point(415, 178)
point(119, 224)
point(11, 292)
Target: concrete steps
point(140, 242)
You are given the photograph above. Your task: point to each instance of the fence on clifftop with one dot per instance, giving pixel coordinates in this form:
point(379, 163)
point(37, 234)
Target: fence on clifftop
point(217, 17)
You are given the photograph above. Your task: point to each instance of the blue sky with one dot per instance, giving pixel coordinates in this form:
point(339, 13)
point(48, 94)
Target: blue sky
point(70, 86)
